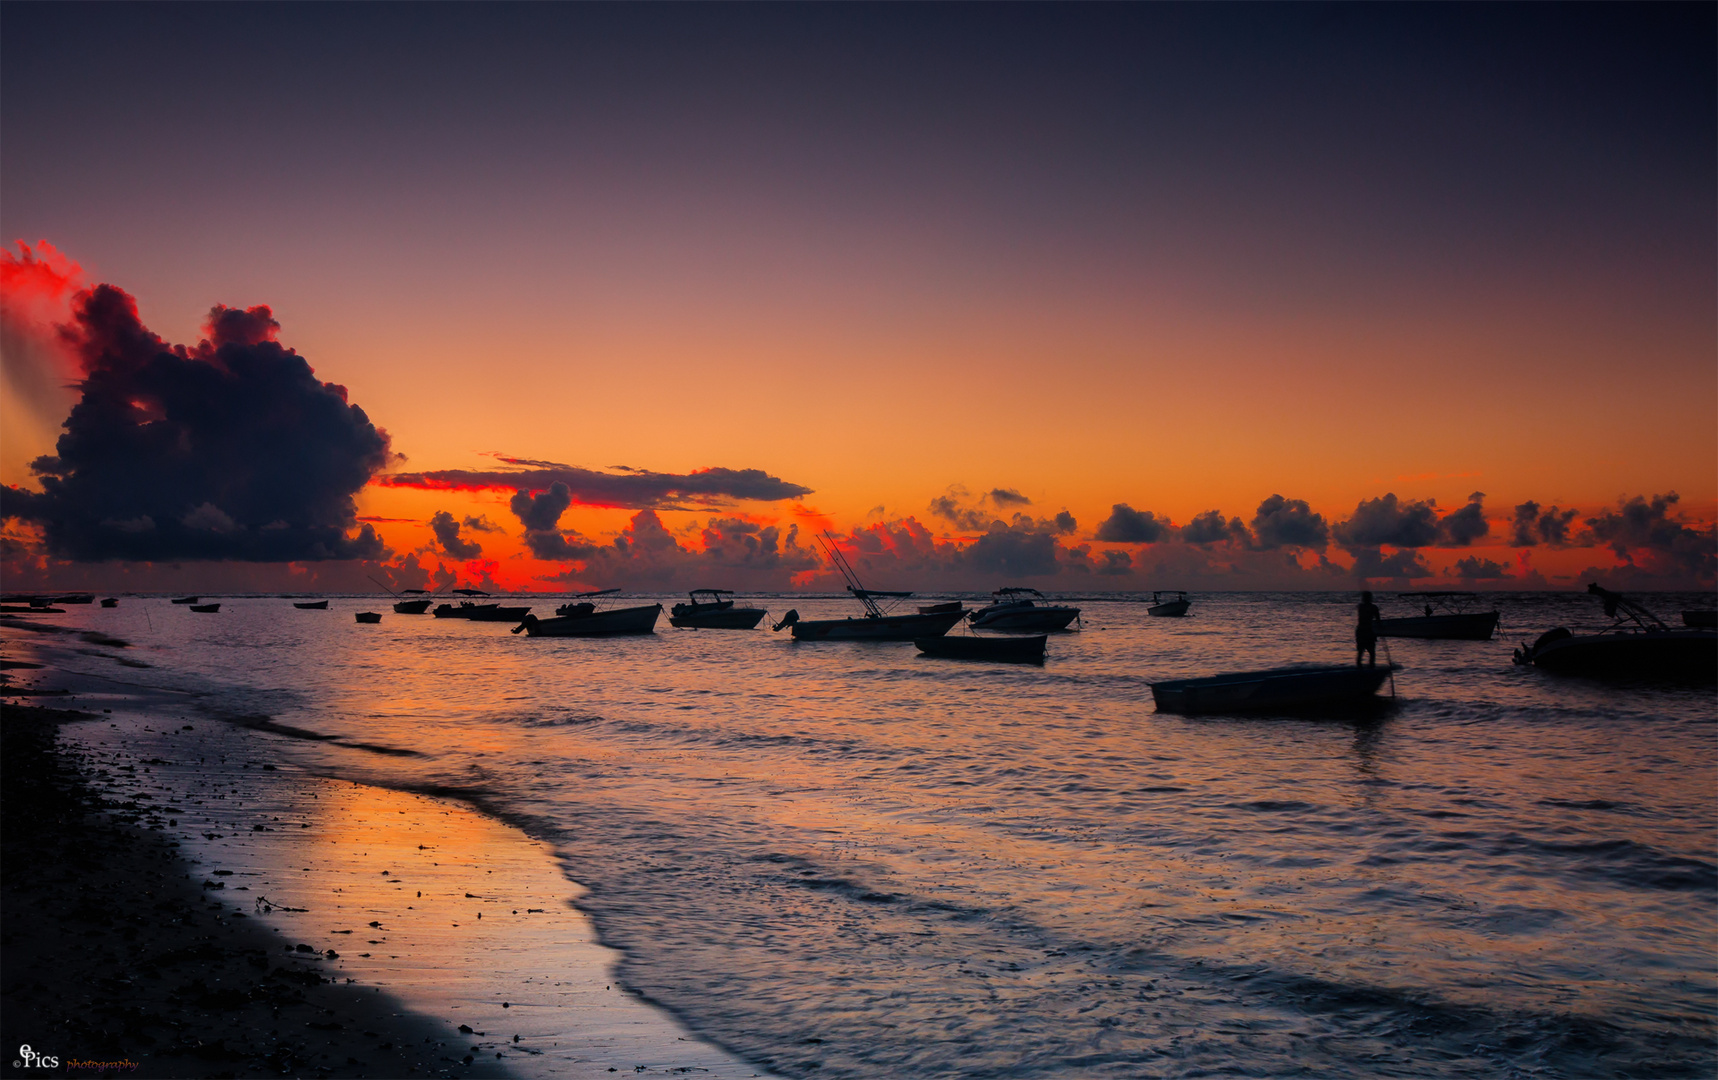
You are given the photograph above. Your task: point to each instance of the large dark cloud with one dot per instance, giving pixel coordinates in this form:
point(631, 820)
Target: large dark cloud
point(1474, 568)
point(1008, 497)
point(540, 513)
point(1282, 522)
point(1388, 521)
point(621, 487)
point(231, 449)
point(1210, 528)
point(1464, 526)
point(1013, 552)
point(1402, 565)
point(1533, 526)
point(1644, 526)
point(1125, 525)
point(446, 530)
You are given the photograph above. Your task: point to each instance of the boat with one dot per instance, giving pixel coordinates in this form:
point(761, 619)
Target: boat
point(369, 616)
point(111, 601)
point(30, 609)
point(708, 611)
point(1298, 688)
point(1706, 619)
point(582, 618)
point(311, 605)
point(412, 607)
point(932, 609)
point(187, 600)
point(1443, 617)
point(465, 609)
point(1008, 650)
point(206, 609)
point(875, 624)
point(1018, 610)
point(1175, 607)
point(497, 613)
point(1637, 645)
point(74, 598)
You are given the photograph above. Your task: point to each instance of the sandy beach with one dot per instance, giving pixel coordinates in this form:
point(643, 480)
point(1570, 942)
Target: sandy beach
point(176, 904)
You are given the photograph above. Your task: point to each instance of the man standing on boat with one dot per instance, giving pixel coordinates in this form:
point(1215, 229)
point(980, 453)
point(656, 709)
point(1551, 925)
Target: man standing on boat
point(1366, 630)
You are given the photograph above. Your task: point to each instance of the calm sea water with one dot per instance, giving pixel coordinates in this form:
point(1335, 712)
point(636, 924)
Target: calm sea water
point(844, 859)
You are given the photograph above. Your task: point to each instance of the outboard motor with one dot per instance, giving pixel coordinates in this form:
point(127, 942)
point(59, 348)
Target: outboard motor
point(787, 620)
point(530, 620)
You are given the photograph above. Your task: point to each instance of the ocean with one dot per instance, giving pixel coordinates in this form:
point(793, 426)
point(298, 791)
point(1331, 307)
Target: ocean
point(848, 860)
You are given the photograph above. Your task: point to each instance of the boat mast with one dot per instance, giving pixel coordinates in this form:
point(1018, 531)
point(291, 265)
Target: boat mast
point(853, 585)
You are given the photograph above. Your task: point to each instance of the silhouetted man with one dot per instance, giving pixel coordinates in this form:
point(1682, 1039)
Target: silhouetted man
point(1366, 631)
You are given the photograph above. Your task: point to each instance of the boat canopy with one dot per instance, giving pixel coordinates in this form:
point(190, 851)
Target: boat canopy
point(1017, 591)
point(695, 593)
point(1431, 594)
point(469, 592)
point(599, 592)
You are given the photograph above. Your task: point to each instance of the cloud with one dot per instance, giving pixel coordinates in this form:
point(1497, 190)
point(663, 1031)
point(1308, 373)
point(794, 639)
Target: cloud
point(1008, 497)
point(1401, 565)
point(1012, 552)
point(1464, 526)
point(1532, 526)
point(1474, 568)
point(481, 523)
point(446, 531)
point(1125, 525)
point(1065, 523)
point(949, 509)
point(1116, 563)
point(1210, 528)
point(1281, 522)
point(541, 510)
point(1388, 521)
point(621, 487)
point(1644, 528)
point(230, 449)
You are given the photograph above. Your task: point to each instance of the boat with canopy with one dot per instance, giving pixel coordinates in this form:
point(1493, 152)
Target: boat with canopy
point(1022, 610)
point(707, 610)
point(876, 624)
point(583, 618)
point(1637, 645)
point(1444, 616)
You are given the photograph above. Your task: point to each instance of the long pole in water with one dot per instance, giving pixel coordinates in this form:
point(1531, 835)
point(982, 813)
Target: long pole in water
point(1390, 660)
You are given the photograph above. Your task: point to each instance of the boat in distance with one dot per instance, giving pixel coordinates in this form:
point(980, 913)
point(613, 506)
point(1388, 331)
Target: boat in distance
point(311, 605)
point(581, 618)
point(1021, 610)
point(1175, 607)
point(111, 601)
point(875, 624)
point(497, 613)
point(1286, 689)
point(1638, 645)
point(187, 600)
point(205, 609)
point(369, 616)
point(462, 610)
point(708, 611)
point(411, 607)
point(1005, 650)
point(1443, 619)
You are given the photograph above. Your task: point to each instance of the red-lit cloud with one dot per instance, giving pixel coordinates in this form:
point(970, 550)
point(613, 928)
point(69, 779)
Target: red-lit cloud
point(620, 487)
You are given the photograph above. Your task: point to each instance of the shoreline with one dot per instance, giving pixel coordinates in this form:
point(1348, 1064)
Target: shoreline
point(180, 897)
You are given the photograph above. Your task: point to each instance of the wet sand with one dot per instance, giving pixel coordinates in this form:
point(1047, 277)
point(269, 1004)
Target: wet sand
point(178, 898)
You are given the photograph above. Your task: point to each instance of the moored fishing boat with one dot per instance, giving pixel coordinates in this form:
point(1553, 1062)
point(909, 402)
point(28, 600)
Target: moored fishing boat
point(1444, 617)
point(1174, 607)
point(1008, 650)
point(111, 601)
point(1638, 645)
point(311, 605)
point(875, 624)
point(1286, 689)
point(708, 611)
point(498, 613)
point(205, 609)
point(582, 618)
point(1021, 610)
point(369, 616)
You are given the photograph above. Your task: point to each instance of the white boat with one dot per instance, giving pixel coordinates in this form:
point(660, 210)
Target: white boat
point(1175, 607)
point(581, 618)
point(1019, 610)
point(1638, 645)
point(875, 624)
point(708, 611)
point(1443, 617)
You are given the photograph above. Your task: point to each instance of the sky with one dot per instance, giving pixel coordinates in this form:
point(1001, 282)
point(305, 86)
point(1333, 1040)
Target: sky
point(1108, 297)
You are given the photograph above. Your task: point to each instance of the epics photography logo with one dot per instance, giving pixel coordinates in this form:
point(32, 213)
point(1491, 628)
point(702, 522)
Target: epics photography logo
point(29, 1059)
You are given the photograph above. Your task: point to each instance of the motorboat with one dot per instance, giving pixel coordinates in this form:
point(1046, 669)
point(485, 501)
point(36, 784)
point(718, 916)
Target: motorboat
point(583, 618)
point(412, 607)
point(1008, 650)
point(311, 605)
point(708, 611)
point(1174, 607)
point(1637, 645)
point(369, 616)
point(205, 609)
point(498, 613)
point(1019, 610)
point(465, 609)
point(1443, 616)
point(876, 624)
point(187, 600)
point(1301, 688)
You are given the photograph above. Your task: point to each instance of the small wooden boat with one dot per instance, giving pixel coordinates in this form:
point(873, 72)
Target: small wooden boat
point(1174, 607)
point(1444, 618)
point(311, 605)
point(187, 600)
point(1308, 687)
point(1020, 610)
point(708, 611)
point(583, 619)
point(1007, 650)
point(110, 602)
point(369, 616)
point(1707, 620)
point(1638, 645)
point(205, 609)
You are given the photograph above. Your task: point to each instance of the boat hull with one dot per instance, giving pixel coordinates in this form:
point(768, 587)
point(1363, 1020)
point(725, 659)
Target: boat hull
point(885, 628)
point(740, 618)
point(1033, 620)
point(497, 613)
point(411, 607)
point(1468, 626)
point(369, 616)
point(634, 620)
point(1173, 609)
point(314, 605)
point(1674, 654)
point(205, 609)
point(1276, 690)
point(1008, 650)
